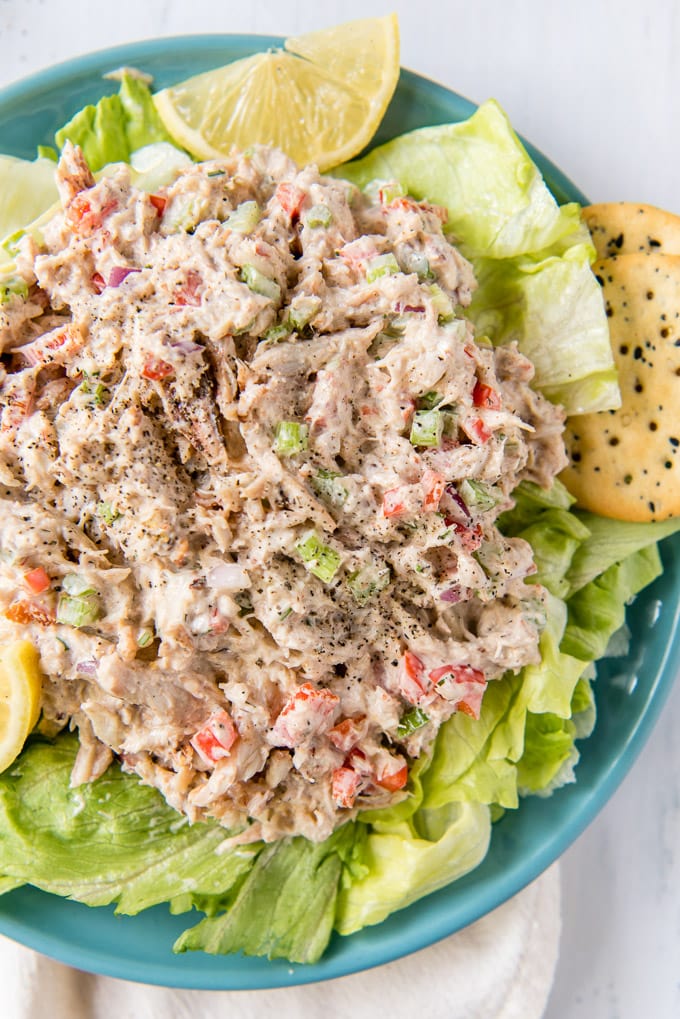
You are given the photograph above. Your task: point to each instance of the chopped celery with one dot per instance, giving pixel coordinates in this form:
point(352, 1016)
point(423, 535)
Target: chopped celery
point(244, 218)
point(412, 720)
point(290, 438)
point(368, 581)
point(319, 559)
point(15, 286)
point(277, 332)
point(326, 484)
point(302, 310)
point(107, 512)
point(259, 283)
point(428, 401)
point(183, 215)
point(442, 303)
point(415, 261)
point(76, 585)
point(381, 265)
point(389, 191)
point(77, 610)
point(319, 215)
point(477, 495)
point(426, 428)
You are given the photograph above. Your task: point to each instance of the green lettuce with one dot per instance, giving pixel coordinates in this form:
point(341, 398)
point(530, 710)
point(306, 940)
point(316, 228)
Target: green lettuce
point(116, 127)
point(531, 256)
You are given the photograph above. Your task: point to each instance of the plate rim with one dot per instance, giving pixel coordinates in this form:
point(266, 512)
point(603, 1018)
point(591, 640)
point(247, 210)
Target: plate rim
point(262, 973)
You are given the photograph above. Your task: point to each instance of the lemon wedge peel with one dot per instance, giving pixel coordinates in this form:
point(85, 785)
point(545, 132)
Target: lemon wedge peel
point(320, 99)
point(20, 695)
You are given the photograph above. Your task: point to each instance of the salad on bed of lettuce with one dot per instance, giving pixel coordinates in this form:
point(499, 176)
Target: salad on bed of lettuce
point(117, 841)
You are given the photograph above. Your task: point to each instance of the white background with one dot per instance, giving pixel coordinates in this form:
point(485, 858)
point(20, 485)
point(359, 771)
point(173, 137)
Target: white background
point(595, 85)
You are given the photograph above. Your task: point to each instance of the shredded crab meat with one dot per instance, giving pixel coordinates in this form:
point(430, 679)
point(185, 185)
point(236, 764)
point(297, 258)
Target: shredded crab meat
point(251, 462)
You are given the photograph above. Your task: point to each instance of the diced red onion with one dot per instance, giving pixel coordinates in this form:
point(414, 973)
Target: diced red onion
point(119, 273)
point(459, 501)
point(399, 307)
point(88, 668)
point(452, 595)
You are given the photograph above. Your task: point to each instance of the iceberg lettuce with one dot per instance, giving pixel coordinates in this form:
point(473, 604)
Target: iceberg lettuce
point(531, 256)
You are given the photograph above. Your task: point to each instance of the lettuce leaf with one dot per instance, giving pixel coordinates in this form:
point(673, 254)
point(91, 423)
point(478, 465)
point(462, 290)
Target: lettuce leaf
point(531, 256)
point(116, 127)
point(411, 859)
point(285, 908)
point(27, 189)
point(115, 840)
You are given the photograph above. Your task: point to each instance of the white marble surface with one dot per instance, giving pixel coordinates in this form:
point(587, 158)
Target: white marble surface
point(593, 83)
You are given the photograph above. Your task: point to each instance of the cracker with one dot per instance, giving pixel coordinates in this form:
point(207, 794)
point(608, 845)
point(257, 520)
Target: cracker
point(623, 228)
point(626, 463)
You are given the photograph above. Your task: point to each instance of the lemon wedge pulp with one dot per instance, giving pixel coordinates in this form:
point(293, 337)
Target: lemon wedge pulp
point(20, 688)
point(320, 99)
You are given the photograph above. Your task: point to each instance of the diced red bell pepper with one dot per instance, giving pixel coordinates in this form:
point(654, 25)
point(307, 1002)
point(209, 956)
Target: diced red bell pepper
point(433, 485)
point(477, 431)
point(485, 396)
point(393, 780)
point(344, 734)
point(37, 580)
point(472, 686)
point(158, 203)
point(214, 741)
point(155, 369)
point(413, 683)
point(187, 293)
point(344, 786)
point(83, 217)
point(307, 711)
point(393, 503)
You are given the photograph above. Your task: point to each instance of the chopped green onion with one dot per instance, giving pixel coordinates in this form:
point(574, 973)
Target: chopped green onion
point(319, 215)
point(97, 392)
point(428, 401)
point(80, 610)
point(63, 642)
point(290, 438)
point(442, 303)
point(244, 218)
point(259, 283)
point(215, 173)
point(107, 512)
point(144, 638)
point(76, 585)
point(325, 483)
point(319, 559)
point(284, 613)
point(15, 286)
point(368, 581)
point(381, 265)
point(302, 310)
point(412, 720)
point(426, 428)
point(477, 495)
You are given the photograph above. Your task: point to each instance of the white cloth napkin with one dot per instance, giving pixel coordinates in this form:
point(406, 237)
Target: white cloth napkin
point(501, 967)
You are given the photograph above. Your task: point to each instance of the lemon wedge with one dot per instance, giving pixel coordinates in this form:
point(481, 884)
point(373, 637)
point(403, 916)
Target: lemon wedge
point(320, 99)
point(20, 689)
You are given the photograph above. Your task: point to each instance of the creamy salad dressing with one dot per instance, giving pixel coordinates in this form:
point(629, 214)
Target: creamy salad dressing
point(253, 445)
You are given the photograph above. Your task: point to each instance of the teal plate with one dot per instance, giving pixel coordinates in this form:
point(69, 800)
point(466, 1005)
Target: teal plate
point(630, 692)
